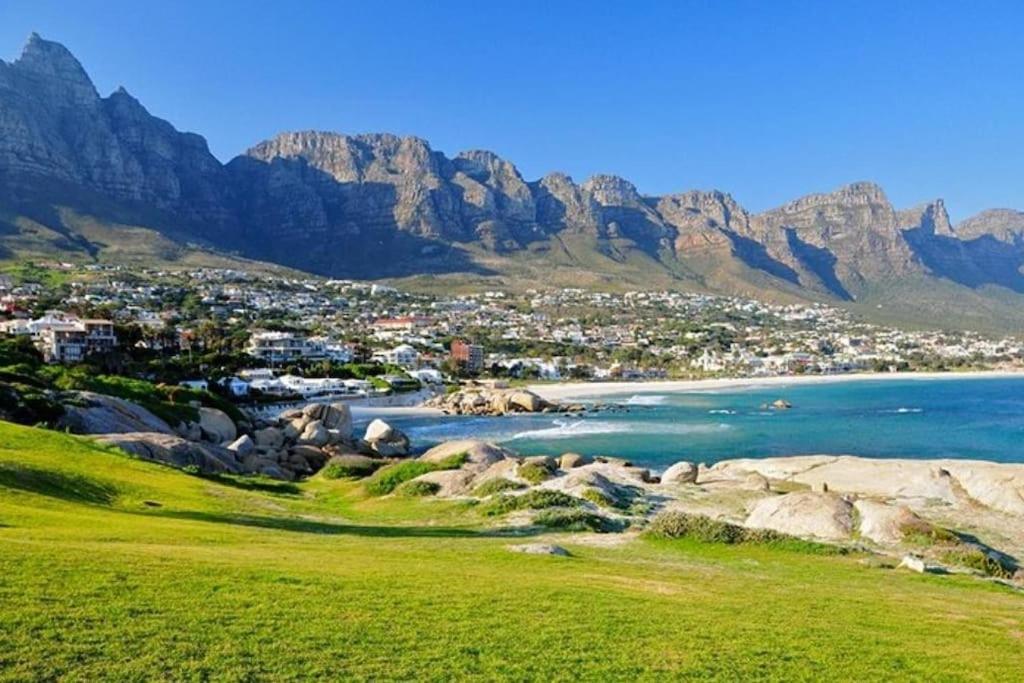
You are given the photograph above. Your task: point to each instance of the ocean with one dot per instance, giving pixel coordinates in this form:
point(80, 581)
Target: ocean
point(912, 418)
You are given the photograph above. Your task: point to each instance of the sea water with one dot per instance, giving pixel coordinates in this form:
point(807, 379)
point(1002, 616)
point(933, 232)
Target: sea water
point(907, 418)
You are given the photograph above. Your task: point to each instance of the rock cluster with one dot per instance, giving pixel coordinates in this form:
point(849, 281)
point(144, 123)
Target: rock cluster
point(485, 401)
point(297, 443)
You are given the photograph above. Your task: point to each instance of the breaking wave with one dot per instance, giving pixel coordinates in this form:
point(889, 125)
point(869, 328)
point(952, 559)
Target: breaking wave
point(563, 429)
point(645, 400)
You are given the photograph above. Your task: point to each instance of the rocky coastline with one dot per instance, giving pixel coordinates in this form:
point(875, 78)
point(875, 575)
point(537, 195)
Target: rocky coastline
point(929, 515)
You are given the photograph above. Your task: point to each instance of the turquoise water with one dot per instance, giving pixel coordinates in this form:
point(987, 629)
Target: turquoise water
point(957, 418)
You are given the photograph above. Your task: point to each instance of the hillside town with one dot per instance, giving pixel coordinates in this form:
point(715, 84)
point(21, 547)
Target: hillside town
point(277, 336)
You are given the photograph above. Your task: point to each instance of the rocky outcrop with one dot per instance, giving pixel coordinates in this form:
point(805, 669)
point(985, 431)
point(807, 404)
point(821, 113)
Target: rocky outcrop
point(680, 473)
point(383, 440)
point(86, 412)
point(55, 126)
point(804, 514)
point(216, 426)
point(484, 401)
point(176, 451)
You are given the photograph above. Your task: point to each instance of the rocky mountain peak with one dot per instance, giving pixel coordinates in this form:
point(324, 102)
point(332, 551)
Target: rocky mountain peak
point(612, 190)
point(930, 217)
point(1005, 225)
point(51, 66)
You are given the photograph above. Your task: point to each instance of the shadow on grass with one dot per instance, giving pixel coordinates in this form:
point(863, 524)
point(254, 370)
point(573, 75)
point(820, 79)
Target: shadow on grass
point(68, 487)
point(306, 526)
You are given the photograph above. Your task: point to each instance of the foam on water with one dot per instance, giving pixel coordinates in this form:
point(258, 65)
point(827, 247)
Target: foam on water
point(646, 400)
point(563, 429)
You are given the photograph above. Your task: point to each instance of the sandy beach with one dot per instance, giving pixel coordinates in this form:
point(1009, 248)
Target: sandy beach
point(575, 390)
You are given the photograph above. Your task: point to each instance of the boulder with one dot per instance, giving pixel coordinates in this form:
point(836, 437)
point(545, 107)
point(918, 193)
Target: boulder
point(385, 441)
point(913, 563)
point(683, 472)
point(174, 450)
point(269, 437)
point(313, 455)
point(502, 469)
point(568, 461)
point(275, 471)
point(315, 434)
point(545, 461)
point(480, 455)
point(451, 482)
point(885, 524)
point(243, 446)
point(579, 481)
point(540, 549)
point(88, 413)
point(526, 401)
point(216, 426)
point(189, 430)
point(805, 514)
point(332, 415)
point(641, 473)
point(378, 430)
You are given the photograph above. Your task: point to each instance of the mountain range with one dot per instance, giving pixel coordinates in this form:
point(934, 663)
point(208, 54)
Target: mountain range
point(93, 177)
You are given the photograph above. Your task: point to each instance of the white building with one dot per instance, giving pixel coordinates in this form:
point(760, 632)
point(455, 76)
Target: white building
point(284, 347)
point(403, 355)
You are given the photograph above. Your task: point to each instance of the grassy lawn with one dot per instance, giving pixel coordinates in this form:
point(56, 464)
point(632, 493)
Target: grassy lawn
point(115, 569)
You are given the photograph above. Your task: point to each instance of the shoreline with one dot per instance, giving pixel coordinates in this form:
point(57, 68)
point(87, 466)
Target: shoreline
point(575, 390)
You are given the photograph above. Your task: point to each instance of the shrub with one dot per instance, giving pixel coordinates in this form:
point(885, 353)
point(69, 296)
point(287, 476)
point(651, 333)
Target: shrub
point(415, 489)
point(574, 519)
point(598, 497)
point(531, 500)
point(387, 479)
point(344, 466)
point(673, 525)
point(534, 472)
point(922, 533)
point(452, 462)
point(980, 560)
point(489, 488)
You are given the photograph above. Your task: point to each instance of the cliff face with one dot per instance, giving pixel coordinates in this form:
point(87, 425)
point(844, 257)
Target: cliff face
point(380, 204)
point(54, 126)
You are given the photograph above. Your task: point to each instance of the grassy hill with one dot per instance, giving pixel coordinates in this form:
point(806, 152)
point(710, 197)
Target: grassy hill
point(115, 569)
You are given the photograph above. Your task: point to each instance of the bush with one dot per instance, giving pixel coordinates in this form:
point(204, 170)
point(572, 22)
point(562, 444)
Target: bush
point(534, 472)
point(452, 462)
point(415, 489)
point(673, 525)
point(345, 466)
point(531, 500)
point(387, 479)
point(574, 520)
point(979, 560)
point(698, 527)
point(489, 488)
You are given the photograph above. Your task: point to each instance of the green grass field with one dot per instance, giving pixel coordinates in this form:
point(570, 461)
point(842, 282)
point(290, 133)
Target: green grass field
point(115, 569)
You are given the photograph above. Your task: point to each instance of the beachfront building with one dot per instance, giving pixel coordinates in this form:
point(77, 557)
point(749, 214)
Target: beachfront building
point(403, 355)
point(284, 347)
point(63, 338)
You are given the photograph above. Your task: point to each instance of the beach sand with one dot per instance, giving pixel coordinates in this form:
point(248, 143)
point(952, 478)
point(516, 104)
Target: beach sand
point(574, 390)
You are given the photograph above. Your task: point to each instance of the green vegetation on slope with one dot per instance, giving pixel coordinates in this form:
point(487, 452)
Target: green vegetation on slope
point(115, 569)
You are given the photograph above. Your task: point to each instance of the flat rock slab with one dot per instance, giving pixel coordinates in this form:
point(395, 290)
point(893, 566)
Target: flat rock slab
point(540, 549)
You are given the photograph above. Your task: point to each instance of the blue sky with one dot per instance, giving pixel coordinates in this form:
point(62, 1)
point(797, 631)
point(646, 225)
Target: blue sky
point(766, 100)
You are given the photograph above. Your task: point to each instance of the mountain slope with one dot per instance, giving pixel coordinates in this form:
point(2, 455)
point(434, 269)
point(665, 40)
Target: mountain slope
point(385, 206)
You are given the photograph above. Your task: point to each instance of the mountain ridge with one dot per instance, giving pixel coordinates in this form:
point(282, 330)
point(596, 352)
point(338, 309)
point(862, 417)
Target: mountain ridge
point(381, 205)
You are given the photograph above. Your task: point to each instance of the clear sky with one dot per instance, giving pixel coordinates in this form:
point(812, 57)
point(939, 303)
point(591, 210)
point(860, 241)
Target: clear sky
point(767, 100)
